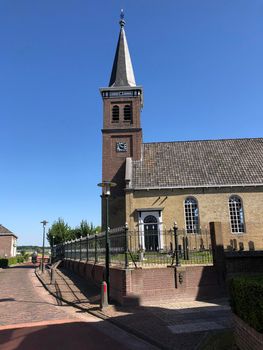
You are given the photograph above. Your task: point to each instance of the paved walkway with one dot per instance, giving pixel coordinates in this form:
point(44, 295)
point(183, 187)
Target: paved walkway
point(30, 318)
point(21, 298)
point(182, 325)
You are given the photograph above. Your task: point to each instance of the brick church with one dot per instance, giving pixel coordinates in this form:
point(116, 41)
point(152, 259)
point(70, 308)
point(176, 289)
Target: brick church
point(190, 182)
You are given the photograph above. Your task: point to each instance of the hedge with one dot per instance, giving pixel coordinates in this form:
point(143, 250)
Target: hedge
point(5, 262)
point(246, 300)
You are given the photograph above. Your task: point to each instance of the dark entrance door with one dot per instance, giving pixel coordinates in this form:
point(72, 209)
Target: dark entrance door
point(151, 233)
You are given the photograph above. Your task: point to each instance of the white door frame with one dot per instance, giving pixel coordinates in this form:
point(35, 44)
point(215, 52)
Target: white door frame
point(158, 215)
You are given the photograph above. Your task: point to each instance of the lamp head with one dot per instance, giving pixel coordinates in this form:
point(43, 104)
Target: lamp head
point(44, 222)
point(106, 186)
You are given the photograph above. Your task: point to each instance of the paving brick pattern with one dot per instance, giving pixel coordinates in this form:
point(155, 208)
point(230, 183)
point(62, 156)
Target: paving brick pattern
point(21, 298)
point(72, 288)
point(175, 326)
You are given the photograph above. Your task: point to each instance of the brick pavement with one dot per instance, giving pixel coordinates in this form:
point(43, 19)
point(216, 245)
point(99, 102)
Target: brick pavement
point(181, 325)
point(31, 318)
point(21, 298)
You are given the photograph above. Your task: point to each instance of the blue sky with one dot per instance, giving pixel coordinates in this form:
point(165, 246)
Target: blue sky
point(200, 63)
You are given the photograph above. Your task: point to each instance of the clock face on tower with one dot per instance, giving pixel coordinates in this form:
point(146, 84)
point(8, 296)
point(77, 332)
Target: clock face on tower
point(121, 146)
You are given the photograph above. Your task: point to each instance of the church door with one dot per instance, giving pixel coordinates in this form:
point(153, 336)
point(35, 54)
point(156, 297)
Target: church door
point(151, 233)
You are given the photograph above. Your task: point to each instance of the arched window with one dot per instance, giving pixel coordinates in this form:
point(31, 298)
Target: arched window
point(191, 215)
point(115, 114)
point(236, 214)
point(127, 113)
point(150, 219)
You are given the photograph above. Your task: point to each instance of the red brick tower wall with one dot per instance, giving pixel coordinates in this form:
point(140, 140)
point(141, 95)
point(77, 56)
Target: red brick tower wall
point(113, 161)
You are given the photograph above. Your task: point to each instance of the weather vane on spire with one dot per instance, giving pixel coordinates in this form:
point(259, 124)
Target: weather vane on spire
point(122, 22)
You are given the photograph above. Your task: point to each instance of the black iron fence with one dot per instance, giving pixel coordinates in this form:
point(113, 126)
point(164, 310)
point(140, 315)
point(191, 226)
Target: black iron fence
point(137, 249)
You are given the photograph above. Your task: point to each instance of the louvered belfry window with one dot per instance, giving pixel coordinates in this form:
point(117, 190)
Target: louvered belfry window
point(127, 113)
point(236, 214)
point(191, 215)
point(115, 114)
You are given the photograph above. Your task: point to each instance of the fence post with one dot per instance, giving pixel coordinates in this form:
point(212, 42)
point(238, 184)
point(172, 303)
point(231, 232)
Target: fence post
point(52, 275)
point(80, 246)
point(218, 250)
point(95, 252)
point(126, 245)
point(75, 250)
point(87, 243)
point(177, 260)
point(185, 248)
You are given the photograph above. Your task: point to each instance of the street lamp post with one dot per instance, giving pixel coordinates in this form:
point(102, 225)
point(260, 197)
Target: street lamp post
point(106, 187)
point(176, 250)
point(44, 222)
point(52, 249)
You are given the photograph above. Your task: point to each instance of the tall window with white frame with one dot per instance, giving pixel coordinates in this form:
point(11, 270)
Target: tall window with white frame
point(236, 214)
point(191, 215)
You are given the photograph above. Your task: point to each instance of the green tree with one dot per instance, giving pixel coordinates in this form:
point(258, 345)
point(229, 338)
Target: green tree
point(61, 232)
point(88, 229)
point(75, 233)
point(85, 229)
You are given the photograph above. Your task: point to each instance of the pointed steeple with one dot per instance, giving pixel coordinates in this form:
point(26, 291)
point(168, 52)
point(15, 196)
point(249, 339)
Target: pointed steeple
point(122, 71)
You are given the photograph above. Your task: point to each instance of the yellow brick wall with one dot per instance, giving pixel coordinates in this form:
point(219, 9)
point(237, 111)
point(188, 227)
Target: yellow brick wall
point(213, 206)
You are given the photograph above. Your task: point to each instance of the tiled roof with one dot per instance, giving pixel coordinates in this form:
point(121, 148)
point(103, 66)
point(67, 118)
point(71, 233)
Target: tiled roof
point(199, 163)
point(5, 231)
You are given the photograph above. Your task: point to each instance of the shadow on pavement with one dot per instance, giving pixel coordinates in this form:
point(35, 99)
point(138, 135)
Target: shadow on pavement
point(175, 326)
point(171, 326)
point(7, 299)
point(153, 324)
point(67, 336)
point(23, 266)
point(90, 291)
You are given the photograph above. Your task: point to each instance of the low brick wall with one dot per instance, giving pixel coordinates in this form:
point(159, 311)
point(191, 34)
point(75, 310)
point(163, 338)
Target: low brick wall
point(171, 283)
point(138, 286)
point(246, 337)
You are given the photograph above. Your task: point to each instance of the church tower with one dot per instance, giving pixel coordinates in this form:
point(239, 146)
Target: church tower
point(121, 133)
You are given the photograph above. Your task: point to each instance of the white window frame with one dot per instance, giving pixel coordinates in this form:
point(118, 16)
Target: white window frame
point(158, 215)
point(239, 232)
point(185, 222)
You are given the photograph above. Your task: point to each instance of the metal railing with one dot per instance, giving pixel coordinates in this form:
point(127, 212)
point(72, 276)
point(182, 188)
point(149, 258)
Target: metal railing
point(138, 249)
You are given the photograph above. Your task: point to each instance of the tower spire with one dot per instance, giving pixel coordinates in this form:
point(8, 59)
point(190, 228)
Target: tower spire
point(122, 71)
point(122, 22)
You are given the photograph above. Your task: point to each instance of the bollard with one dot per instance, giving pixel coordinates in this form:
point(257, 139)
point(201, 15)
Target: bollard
point(104, 295)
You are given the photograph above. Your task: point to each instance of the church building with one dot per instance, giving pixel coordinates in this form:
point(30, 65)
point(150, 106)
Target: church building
point(192, 183)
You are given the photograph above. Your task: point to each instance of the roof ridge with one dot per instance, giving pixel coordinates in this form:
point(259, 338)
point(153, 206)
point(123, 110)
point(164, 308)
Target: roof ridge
point(206, 140)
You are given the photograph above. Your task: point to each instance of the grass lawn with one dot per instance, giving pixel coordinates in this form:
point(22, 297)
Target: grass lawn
point(152, 258)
